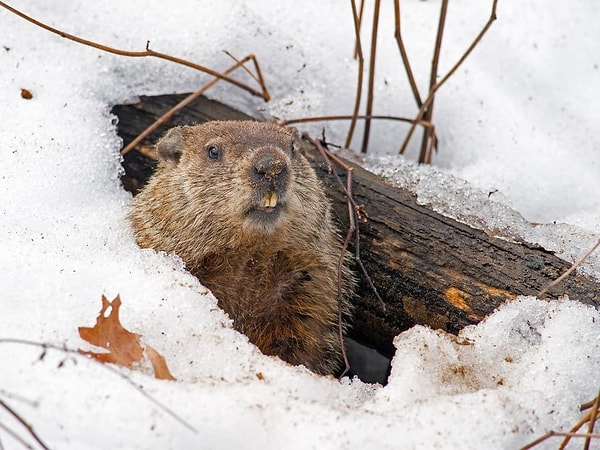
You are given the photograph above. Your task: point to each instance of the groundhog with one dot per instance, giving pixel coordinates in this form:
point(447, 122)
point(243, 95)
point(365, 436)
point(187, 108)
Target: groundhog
point(240, 204)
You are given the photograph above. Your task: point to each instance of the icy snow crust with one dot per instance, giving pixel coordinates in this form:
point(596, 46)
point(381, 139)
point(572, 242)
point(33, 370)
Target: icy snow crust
point(513, 121)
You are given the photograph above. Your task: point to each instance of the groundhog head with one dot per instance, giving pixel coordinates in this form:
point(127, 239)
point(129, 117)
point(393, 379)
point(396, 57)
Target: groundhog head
point(252, 172)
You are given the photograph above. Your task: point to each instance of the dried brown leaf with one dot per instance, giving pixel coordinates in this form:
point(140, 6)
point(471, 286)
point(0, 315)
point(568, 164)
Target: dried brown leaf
point(123, 347)
point(161, 371)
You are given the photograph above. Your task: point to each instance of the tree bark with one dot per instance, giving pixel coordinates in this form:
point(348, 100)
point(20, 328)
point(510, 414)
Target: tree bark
point(429, 269)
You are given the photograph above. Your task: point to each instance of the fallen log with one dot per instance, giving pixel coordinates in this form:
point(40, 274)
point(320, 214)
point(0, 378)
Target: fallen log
point(428, 269)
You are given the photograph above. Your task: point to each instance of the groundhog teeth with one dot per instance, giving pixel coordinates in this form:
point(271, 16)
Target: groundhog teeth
point(270, 200)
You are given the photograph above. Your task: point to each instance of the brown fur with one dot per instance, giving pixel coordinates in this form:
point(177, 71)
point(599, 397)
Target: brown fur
point(273, 270)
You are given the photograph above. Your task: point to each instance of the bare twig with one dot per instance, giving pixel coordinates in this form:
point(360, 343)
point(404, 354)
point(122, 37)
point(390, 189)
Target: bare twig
point(15, 436)
point(590, 418)
point(404, 54)
point(351, 227)
point(451, 72)
point(370, 92)
point(569, 271)
point(550, 434)
point(346, 117)
point(361, 62)
point(581, 422)
point(358, 22)
point(587, 405)
point(424, 154)
point(19, 398)
point(25, 424)
point(135, 54)
point(357, 211)
point(186, 101)
point(258, 77)
point(45, 346)
point(593, 415)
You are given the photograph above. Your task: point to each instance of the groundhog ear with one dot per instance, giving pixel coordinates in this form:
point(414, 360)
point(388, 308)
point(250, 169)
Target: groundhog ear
point(170, 147)
point(296, 140)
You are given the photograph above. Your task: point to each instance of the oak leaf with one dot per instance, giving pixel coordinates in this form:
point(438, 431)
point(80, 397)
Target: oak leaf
point(124, 347)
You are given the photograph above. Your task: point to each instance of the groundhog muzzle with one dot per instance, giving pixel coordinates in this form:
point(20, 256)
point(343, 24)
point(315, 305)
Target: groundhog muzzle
point(239, 203)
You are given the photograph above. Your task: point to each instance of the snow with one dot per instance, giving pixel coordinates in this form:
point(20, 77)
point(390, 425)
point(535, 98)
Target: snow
point(515, 121)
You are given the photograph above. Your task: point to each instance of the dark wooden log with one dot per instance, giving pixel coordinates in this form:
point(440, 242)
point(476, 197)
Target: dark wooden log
point(429, 269)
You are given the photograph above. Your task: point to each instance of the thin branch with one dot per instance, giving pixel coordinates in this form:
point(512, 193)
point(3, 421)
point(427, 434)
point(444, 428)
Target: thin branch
point(404, 54)
point(574, 429)
point(186, 101)
point(590, 417)
point(550, 434)
point(135, 54)
point(432, 145)
point(593, 415)
point(364, 270)
point(358, 211)
point(15, 436)
point(258, 77)
point(346, 117)
point(359, 23)
point(110, 368)
point(22, 421)
point(451, 72)
point(361, 63)
point(351, 228)
point(370, 92)
point(19, 398)
point(569, 271)
point(587, 405)
point(425, 149)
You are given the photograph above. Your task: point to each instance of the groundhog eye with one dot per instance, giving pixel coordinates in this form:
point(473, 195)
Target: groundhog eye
point(213, 152)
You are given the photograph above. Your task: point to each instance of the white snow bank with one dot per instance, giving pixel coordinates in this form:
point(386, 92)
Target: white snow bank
point(497, 385)
point(65, 240)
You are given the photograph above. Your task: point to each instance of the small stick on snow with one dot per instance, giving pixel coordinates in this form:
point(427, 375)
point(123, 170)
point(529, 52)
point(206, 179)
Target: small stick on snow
point(550, 434)
point(15, 436)
point(569, 271)
point(593, 415)
point(22, 421)
point(110, 368)
point(590, 417)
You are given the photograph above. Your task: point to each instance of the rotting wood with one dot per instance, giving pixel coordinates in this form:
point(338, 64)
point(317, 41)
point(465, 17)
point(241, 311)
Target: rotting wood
point(429, 269)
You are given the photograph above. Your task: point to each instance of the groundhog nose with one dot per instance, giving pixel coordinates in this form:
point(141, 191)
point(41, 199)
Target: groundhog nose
point(269, 166)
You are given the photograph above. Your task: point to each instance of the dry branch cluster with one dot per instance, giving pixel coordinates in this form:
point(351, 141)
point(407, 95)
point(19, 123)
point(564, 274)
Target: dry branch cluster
point(424, 116)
